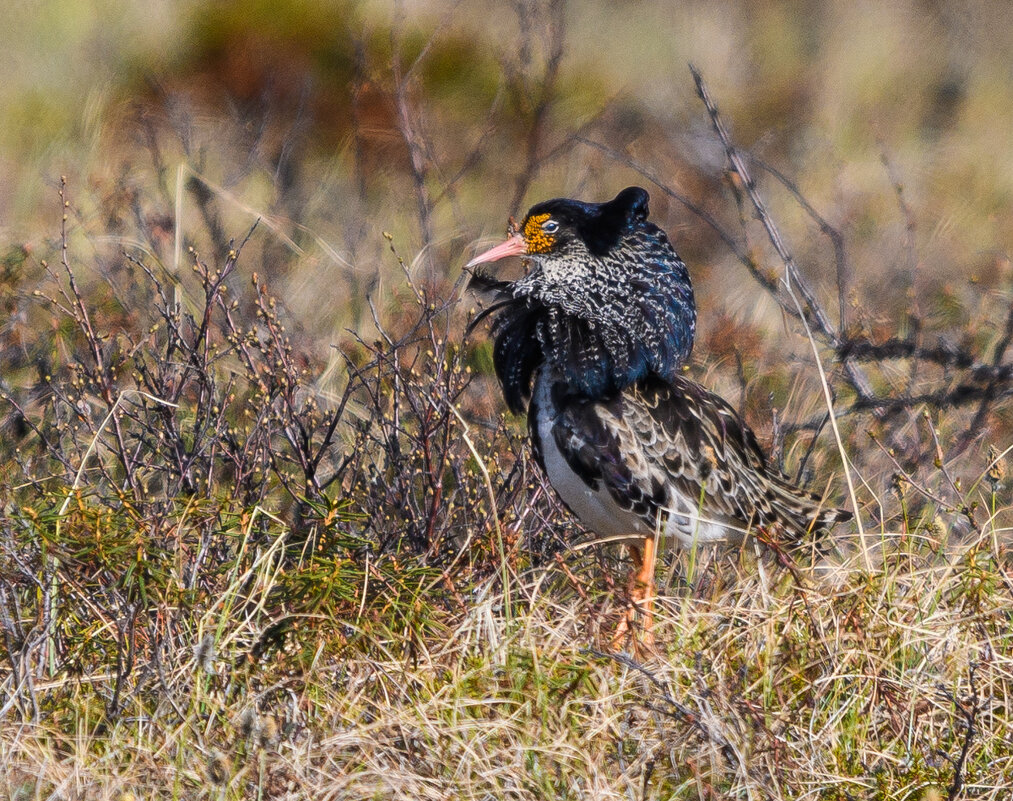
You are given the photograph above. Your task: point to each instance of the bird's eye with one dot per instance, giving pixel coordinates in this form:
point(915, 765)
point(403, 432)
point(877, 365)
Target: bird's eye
point(550, 226)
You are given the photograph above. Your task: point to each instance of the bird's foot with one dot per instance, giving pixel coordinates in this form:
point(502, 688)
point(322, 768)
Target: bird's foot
point(635, 631)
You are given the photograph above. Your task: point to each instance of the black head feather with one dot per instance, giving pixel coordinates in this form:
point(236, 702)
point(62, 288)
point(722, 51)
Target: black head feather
point(600, 226)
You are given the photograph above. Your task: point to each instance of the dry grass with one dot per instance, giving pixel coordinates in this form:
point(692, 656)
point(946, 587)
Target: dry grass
point(856, 686)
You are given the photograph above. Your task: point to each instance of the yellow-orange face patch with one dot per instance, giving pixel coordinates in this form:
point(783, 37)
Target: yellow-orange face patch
point(537, 239)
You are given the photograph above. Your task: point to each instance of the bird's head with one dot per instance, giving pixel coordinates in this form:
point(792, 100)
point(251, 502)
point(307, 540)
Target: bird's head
point(607, 297)
point(562, 237)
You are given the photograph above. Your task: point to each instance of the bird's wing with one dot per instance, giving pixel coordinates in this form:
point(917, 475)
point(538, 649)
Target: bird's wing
point(595, 441)
point(669, 444)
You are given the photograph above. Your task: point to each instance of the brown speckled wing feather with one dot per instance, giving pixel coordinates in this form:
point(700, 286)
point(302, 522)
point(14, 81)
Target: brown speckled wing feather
point(664, 444)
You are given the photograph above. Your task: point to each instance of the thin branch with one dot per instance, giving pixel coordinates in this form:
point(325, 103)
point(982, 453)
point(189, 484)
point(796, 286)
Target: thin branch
point(814, 311)
point(735, 247)
point(835, 237)
point(969, 712)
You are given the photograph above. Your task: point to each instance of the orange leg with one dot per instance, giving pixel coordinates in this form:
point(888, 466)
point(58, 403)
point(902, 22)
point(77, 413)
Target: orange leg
point(642, 593)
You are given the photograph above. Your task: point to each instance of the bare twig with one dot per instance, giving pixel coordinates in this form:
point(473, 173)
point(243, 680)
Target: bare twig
point(968, 710)
point(545, 86)
point(674, 708)
point(813, 310)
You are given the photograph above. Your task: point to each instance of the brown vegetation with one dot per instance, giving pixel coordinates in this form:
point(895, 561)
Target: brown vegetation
point(264, 527)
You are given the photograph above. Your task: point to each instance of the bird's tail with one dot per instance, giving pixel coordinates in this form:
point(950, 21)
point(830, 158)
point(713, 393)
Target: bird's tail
point(802, 511)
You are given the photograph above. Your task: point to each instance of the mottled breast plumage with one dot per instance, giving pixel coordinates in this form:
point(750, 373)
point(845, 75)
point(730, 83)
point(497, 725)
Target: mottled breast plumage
point(610, 303)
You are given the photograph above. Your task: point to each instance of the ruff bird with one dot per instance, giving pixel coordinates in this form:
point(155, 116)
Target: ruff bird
point(590, 343)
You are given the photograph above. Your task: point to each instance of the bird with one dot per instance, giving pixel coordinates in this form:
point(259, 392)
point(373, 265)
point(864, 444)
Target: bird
point(591, 343)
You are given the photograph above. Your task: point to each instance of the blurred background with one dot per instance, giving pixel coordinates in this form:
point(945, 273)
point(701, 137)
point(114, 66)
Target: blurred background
point(349, 128)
